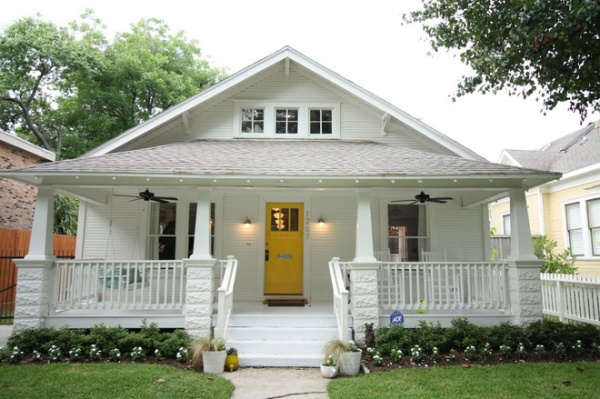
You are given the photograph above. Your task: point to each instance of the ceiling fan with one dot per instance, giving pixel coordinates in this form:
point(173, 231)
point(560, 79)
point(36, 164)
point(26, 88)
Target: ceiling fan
point(149, 196)
point(422, 198)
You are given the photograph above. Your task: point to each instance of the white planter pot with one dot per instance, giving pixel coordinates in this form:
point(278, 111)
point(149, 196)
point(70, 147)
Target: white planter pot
point(214, 361)
point(329, 371)
point(350, 363)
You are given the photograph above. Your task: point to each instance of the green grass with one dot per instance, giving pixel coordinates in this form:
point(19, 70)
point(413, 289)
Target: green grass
point(533, 380)
point(103, 380)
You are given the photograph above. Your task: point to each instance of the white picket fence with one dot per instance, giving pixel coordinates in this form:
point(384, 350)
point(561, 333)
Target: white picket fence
point(571, 297)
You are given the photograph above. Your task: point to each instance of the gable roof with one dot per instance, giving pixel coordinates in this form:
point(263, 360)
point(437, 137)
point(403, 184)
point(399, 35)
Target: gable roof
point(566, 154)
point(287, 55)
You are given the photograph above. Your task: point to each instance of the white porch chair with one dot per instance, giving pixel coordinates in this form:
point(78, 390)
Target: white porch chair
point(441, 282)
point(383, 256)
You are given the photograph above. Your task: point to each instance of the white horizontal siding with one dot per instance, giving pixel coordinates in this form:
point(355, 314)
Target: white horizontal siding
point(243, 242)
point(113, 231)
point(358, 121)
point(459, 230)
point(335, 238)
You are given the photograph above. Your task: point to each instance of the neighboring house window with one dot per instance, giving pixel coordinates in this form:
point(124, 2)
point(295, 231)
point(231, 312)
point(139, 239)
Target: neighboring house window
point(253, 120)
point(593, 209)
point(321, 121)
point(574, 228)
point(506, 224)
point(263, 119)
point(286, 121)
point(406, 232)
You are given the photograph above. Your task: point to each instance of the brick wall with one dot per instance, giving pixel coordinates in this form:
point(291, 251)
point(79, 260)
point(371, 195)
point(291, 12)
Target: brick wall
point(17, 200)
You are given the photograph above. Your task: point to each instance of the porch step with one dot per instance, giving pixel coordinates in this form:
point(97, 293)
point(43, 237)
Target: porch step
point(281, 337)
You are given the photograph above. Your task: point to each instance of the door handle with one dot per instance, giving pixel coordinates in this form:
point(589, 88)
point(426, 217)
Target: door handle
point(266, 255)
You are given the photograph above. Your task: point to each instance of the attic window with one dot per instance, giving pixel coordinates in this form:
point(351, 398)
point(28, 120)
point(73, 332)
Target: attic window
point(266, 119)
point(253, 120)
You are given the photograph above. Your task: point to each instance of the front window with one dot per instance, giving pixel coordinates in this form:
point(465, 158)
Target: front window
point(321, 121)
point(406, 232)
point(253, 120)
point(163, 242)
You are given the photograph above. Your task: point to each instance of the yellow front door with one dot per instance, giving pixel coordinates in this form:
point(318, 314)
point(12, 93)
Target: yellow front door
point(284, 250)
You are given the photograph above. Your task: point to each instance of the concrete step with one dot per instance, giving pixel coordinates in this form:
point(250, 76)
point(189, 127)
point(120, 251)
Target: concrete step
point(281, 340)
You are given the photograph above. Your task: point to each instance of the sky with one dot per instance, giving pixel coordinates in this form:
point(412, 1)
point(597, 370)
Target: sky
point(363, 41)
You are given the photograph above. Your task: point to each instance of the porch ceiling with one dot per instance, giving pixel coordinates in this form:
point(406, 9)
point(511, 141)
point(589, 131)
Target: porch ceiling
point(314, 164)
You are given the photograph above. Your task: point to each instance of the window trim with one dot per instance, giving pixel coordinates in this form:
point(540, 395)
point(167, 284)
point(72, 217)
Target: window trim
point(270, 107)
point(588, 250)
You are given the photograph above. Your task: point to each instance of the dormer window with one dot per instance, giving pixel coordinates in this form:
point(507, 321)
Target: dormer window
point(258, 119)
point(286, 121)
point(253, 120)
point(321, 121)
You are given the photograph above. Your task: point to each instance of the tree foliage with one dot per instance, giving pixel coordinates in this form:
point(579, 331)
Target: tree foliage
point(546, 48)
point(563, 263)
point(69, 89)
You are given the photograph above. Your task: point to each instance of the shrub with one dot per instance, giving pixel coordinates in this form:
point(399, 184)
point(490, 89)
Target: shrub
point(170, 342)
point(563, 263)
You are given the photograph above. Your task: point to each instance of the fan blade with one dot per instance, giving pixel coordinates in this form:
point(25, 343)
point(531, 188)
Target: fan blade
point(166, 198)
point(437, 201)
point(123, 195)
point(441, 198)
point(157, 199)
point(406, 200)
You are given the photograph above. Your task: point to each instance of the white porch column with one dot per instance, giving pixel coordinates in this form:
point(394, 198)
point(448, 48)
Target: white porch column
point(35, 277)
point(364, 228)
point(524, 267)
point(41, 245)
point(199, 296)
point(202, 231)
point(363, 276)
point(521, 246)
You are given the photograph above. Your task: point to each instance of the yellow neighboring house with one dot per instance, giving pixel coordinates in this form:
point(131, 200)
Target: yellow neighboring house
point(565, 210)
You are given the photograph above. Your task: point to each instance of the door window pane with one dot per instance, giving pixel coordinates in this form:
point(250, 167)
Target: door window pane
point(285, 219)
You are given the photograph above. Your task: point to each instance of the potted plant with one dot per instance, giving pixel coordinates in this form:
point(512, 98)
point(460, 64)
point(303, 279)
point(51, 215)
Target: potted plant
point(329, 368)
point(346, 354)
point(211, 353)
point(232, 362)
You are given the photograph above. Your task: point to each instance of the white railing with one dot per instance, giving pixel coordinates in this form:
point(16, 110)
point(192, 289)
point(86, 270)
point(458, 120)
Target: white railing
point(571, 297)
point(443, 285)
point(340, 297)
point(118, 285)
point(225, 297)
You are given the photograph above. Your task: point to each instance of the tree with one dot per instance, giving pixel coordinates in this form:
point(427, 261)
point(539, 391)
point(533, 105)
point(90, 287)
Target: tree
point(547, 48)
point(69, 89)
point(33, 58)
point(563, 263)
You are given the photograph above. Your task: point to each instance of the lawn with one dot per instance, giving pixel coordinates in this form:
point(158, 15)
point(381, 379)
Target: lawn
point(109, 380)
point(531, 380)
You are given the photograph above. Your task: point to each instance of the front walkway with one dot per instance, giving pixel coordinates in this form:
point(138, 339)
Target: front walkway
point(262, 383)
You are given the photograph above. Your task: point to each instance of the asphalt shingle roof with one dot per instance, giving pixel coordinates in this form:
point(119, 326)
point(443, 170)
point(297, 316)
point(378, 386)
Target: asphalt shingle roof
point(566, 154)
point(279, 157)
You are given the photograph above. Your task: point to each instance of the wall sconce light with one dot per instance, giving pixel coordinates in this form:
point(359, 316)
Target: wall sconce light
point(321, 221)
point(247, 222)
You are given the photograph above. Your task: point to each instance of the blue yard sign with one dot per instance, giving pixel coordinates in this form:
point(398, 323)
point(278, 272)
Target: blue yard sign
point(396, 318)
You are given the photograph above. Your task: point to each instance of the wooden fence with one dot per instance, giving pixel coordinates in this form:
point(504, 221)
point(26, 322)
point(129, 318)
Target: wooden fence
point(571, 297)
point(14, 244)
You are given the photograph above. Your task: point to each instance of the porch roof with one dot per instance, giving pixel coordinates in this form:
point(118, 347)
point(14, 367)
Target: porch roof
point(297, 163)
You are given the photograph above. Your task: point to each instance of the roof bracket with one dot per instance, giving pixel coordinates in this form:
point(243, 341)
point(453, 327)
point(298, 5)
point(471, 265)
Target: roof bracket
point(185, 116)
point(287, 68)
point(385, 123)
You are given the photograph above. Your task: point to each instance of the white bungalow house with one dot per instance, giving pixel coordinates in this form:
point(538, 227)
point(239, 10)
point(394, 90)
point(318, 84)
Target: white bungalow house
point(301, 188)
